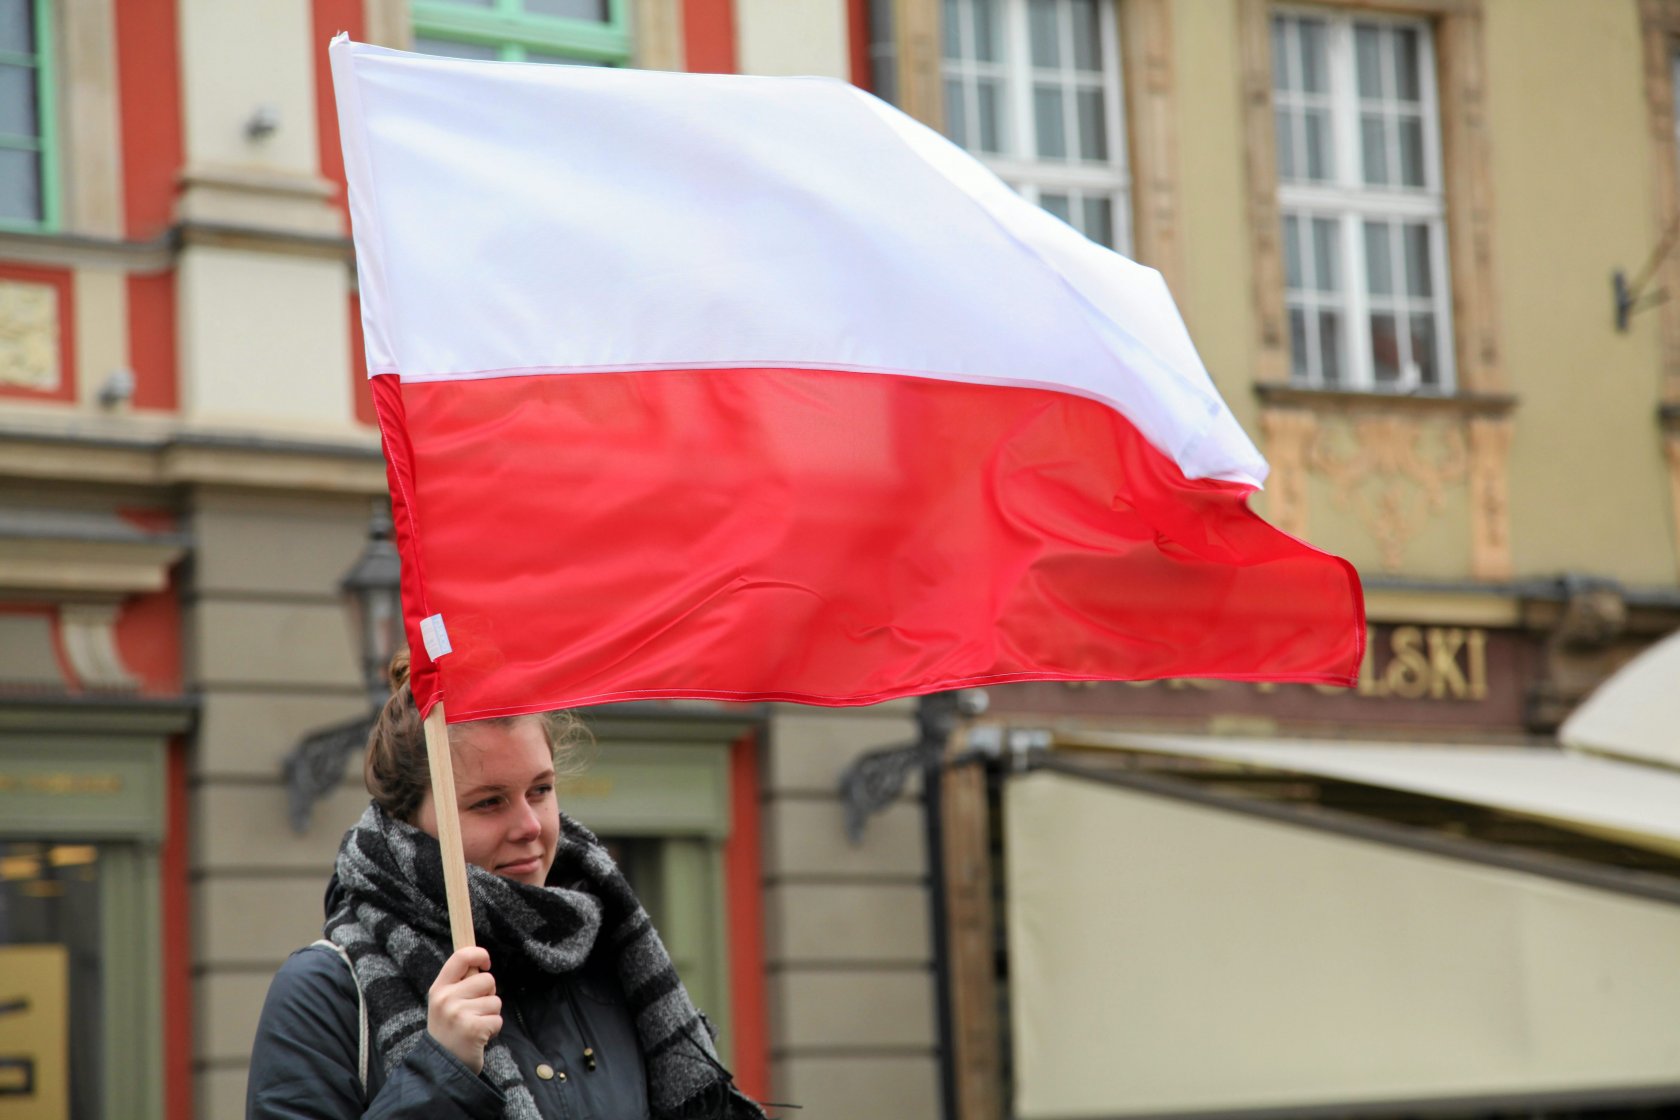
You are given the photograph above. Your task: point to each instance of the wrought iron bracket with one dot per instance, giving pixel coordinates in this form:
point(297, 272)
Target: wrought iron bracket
point(315, 767)
point(876, 778)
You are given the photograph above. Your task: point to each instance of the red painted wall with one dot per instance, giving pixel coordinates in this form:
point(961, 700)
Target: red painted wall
point(149, 108)
point(148, 630)
point(744, 889)
point(151, 340)
point(177, 943)
point(149, 104)
point(709, 36)
point(857, 34)
point(328, 18)
point(148, 633)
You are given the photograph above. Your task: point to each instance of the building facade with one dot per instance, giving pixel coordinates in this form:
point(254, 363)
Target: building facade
point(1392, 228)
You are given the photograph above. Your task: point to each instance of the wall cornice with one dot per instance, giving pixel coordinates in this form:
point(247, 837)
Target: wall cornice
point(139, 452)
point(1337, 400)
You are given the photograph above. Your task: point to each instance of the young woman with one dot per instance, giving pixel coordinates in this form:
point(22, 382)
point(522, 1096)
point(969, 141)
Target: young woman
point(568, 1006)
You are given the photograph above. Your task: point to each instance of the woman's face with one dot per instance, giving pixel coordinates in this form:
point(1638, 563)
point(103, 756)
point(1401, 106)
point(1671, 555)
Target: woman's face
point(504, 784)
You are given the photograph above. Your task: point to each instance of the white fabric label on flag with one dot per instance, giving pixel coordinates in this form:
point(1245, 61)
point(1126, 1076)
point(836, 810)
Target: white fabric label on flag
point(435, 636)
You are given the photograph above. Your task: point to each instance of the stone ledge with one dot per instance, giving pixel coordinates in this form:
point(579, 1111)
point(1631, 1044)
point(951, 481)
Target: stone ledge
point(1346, 400)
point(262, 199)
point(161, 452)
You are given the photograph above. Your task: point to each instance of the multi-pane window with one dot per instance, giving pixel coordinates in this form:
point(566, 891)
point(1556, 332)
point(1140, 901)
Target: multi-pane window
point(578, 32)
point(1032, 87)
point(27, 198)
point(1674, 92)
point(1359, 188)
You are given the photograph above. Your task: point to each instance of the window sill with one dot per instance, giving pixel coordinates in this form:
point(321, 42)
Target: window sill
point(1344, 400)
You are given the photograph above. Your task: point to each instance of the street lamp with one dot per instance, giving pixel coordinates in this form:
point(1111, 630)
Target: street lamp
point(372, 591)
point(372, 594)
point(871, 783)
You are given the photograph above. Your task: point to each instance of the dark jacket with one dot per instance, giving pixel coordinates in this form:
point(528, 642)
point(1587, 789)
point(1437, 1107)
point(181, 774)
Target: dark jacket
point(304, 1060)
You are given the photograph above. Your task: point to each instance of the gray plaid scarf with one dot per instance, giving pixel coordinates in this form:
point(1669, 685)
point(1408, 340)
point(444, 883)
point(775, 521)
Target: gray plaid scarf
point(389, 915)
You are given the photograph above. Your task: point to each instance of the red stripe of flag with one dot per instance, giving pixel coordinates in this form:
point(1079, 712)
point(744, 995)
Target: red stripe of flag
point(829, 538)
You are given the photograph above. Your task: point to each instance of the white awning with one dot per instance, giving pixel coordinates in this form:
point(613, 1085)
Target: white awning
point(1636, 713)
point(1173, 957)
point(1631, 803)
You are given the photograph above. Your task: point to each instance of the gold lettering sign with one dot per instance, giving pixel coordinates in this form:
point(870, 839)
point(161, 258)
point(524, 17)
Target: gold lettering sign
point(584, 787)
point(1433, 663)
point(1414, 663)
point(61, 783)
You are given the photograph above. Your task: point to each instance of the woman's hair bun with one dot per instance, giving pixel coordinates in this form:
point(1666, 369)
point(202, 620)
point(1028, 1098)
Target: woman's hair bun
point(398, 671)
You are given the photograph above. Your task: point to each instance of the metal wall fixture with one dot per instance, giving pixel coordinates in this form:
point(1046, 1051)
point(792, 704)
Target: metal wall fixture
point(372, 591)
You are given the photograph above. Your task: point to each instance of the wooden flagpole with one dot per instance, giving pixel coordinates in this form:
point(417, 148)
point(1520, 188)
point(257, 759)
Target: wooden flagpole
point(449, 827)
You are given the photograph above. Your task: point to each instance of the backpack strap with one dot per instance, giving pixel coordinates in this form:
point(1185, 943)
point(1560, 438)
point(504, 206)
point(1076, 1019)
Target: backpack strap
point(361, 1012)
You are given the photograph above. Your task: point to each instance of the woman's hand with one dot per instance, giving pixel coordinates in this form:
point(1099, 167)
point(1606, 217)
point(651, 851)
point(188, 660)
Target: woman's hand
point(463, 1011)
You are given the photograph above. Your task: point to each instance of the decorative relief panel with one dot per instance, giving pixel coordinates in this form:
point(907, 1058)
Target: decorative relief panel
point(1671, 447)
point(1392, 472)
point(29, 336)
point(88, 632)
point(1157, 227)
point(1490, 497)
point(1660, 27)
point(1289, 434)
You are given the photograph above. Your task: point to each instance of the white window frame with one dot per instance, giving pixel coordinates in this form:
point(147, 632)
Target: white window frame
point(1018, 163)
point(1348, 201)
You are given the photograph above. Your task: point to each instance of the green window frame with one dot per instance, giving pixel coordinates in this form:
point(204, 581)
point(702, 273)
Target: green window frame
point(662, 790)
point(120, 809)
point(42, 143)
point(509, 33)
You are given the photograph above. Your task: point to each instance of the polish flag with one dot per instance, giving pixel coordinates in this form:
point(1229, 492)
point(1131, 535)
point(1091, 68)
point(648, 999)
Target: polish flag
point(745, 388)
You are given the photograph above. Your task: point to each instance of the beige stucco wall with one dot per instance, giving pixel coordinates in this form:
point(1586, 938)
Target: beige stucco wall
point(1216, 298)
point(264, 337)
point(792, 37)
point(1572, 200)
point(269, 650)
point(222, 84)
point(847, 946)
point(1571, 158)
point(101, 296)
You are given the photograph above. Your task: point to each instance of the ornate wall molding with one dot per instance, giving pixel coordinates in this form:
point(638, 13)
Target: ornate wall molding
point(1466, 153)
point(1392, 473)
point(29, 334)
point(1671, 450)
point(658, 26)
point(1271, 342)
point(1660, 27)
point(91, 150)
point(1289, 434)
point(1146, 46)
point(916, 53)
point(388, 23)
point(1490, 497)
point(89, 635)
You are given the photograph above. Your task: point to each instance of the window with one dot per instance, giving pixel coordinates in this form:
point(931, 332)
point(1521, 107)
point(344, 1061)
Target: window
point(1674, 92)
point(27, 197)
point(578, 32)
point(1032, 87)
point(1363, 210)
point(82, 817)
